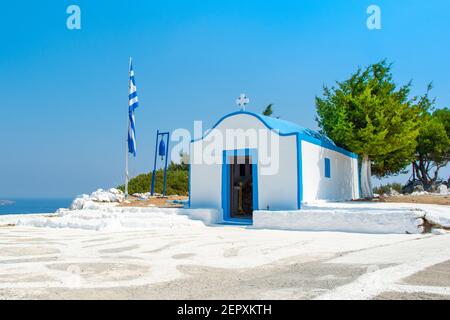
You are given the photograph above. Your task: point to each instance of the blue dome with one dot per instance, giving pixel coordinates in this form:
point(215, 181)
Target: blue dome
point(287, 128)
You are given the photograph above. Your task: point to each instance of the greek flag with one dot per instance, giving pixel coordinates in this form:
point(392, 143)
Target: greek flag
point(132, 105)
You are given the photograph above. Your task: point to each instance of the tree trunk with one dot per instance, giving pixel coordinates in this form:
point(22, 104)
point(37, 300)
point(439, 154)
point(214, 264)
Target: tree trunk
point(366, 174)
point(424, 174)
point(418, 172)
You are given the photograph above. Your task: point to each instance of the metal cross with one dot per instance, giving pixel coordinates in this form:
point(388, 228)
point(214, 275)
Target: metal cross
point(242, 101)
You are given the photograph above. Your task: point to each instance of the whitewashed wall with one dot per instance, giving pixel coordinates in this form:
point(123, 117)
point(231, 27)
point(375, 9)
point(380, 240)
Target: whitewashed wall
point(343, 184)
point(277, 191)
point(206, 187)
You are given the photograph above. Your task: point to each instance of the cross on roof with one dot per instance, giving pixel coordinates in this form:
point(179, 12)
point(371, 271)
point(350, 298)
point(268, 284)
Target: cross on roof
point(242, 101)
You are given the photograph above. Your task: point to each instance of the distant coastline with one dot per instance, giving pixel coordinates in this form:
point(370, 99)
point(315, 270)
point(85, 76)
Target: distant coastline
point(30, 205)
point(6, 202)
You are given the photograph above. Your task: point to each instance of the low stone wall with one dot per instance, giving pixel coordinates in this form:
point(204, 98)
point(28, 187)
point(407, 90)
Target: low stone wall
point(349, 221)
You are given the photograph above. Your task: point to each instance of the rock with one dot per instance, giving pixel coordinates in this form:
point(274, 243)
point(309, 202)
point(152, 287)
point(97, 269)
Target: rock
point(106, 196)
point(393, 193)
point(443, 190)
point(115, 191)
point(438, 232)
point(80, 203)
point(419, 193)
point(89, 201)
point(418, 188)
point(142, 196)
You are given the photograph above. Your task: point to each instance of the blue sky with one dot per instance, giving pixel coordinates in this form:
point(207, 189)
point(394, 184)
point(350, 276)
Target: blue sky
point(63, 102)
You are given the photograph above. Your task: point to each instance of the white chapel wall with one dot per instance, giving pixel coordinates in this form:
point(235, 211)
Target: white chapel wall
point(343, 183)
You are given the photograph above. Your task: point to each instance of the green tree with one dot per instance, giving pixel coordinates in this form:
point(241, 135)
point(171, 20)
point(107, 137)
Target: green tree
point(433, 146)
point(372, 117)
point(444, 116)
point(268, 110)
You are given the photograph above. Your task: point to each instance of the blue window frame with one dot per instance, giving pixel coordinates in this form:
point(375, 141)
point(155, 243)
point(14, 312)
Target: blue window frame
point(327, 168)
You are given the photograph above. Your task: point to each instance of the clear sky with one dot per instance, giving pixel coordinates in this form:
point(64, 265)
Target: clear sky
point(63, 96)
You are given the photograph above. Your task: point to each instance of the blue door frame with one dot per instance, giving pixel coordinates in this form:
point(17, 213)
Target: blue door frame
point(226, 182)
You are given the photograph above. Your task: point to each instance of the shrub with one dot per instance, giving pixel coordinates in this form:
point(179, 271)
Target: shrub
point(177, 181)
point(385, 189)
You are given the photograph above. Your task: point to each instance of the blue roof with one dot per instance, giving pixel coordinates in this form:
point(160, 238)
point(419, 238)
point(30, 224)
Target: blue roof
point(285, 128)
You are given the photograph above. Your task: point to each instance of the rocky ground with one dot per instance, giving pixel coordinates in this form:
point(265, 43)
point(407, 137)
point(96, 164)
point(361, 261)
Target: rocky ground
point(158, 201)
point(223, 262)
point(421, 198)
point(127, 254)
point(166, 202)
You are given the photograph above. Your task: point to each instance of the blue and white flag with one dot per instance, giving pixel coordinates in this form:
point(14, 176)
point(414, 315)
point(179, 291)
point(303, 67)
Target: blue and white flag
point(132, 105)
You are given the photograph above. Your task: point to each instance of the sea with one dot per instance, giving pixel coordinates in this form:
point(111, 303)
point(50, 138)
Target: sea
point(32, 205)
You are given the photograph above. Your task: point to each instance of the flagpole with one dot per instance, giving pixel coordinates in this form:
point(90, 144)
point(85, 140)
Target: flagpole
point(126, 142)
point(126, 163)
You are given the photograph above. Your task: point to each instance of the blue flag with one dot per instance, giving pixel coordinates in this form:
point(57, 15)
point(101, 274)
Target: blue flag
point(132, 105)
